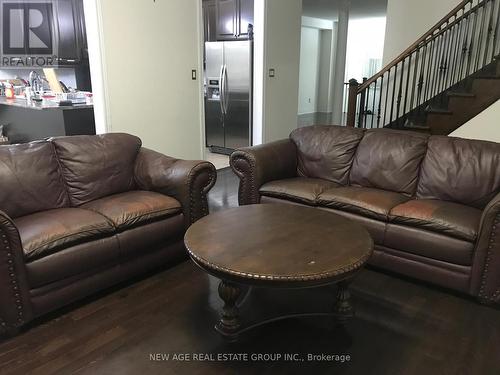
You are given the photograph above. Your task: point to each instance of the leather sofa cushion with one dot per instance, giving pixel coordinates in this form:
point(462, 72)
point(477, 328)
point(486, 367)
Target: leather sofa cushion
point(298, 189)
point(423, 268)
point(460, 170)
point(448, 218)
point(44, 233)
point(135, 242)
point(432, 245)
point(326, 152)
point(72, 261)
point(132, 208)
point(369, 202)
point(31, 180)
point(97, 166)
point(389, 160)
point(376, 228)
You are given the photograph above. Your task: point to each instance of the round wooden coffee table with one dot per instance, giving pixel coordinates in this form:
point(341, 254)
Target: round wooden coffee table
point(277, 246)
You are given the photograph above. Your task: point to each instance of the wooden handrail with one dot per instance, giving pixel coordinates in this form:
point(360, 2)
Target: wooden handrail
point(411, 48)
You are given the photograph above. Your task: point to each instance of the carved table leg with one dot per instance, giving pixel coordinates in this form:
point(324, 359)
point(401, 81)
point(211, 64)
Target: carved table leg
point(343, 309)
point(229, 322)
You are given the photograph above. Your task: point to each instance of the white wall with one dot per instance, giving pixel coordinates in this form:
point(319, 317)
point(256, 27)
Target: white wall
point(282, 53)
point(484, 126)
point(149, 49)
point(408, 20)
point(309, 69)
point(325, 70)
point(316, 50)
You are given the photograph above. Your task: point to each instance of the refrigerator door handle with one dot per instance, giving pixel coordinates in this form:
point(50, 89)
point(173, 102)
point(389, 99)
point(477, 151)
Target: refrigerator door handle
point(221, 89)
point(226, 91)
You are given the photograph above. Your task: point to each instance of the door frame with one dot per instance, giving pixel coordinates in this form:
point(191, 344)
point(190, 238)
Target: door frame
point(97, 59)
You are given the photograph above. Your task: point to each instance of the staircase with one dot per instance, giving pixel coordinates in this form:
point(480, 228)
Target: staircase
point(447, 77)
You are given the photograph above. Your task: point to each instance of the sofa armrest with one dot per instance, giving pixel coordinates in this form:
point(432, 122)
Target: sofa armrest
point(188, 181)
point(486, 264)
point(15, 303)
point(260, 164)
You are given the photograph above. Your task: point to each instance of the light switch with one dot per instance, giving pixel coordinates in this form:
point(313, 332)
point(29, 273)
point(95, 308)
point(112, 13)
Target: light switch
point(193, 74)
point(272, 73)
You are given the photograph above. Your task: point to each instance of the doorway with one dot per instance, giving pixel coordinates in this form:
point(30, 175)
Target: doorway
point(227, 77)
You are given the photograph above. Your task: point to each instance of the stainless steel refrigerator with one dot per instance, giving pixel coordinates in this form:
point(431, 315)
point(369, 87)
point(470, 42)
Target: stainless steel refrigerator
point(228, 95)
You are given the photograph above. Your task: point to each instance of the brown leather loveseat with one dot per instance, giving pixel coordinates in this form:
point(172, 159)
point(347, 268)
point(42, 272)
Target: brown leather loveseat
point(431, 204)
point(79, 214)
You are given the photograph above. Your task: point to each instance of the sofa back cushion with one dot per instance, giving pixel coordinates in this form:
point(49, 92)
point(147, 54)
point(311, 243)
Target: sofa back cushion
point(326, 152)
point(460, 170)
point(95, 166)
point(30, 179)
point(389, 160)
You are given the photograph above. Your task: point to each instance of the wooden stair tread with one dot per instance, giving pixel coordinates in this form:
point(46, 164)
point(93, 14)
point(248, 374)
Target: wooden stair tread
point(439, 111)
point(487, 77)
point(461, 94)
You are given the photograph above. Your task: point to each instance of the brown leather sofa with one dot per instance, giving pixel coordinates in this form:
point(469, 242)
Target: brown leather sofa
point(431, 204)
point(79, 214)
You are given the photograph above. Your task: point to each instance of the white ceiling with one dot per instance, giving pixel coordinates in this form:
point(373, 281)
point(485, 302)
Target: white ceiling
point(327, 9)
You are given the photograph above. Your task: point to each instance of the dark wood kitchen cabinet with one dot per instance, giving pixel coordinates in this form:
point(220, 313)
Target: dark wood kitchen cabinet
point(210, 20)
point(229, 19)
point(245, 17)
point(70, 28)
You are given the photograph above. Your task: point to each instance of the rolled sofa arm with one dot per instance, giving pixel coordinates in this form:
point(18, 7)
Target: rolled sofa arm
point(15, 303)
point(188, 181)
point(486, 264)
point(260, 164)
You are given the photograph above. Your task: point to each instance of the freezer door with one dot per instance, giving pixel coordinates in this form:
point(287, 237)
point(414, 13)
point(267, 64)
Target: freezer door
point(214, 117)
point(236, 96)
point(214, 128)
point(214, 60)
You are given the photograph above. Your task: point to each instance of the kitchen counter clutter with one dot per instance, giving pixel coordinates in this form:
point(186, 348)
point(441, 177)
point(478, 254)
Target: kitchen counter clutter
point(45, 104)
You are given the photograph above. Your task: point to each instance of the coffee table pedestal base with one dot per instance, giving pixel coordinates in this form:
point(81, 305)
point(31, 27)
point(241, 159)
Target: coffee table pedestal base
point(229, 323)
point(343, 309)
point(230, 326)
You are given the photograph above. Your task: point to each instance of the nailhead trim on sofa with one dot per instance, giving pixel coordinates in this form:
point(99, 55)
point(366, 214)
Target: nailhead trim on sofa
point(13, 282)
point(482, 294)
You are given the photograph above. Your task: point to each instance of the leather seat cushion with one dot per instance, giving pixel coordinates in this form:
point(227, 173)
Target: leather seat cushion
point(427, 244)
point(298, 189)
point(46, 232)
point(137, 241)
point(448, 218)
point(369, 202)
point(72, 261)
point(133, 208)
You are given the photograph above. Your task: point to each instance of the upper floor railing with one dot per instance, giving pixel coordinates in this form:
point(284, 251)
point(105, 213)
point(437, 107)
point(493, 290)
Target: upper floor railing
point(460, 44)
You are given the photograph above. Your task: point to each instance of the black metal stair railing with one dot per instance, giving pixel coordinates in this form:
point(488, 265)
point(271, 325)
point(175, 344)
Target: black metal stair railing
point(465, 41)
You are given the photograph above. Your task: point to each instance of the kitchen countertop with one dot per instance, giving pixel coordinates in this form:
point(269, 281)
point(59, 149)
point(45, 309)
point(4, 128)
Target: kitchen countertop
point(45, 105)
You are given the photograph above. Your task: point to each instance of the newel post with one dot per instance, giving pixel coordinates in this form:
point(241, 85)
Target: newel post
point(351, 103)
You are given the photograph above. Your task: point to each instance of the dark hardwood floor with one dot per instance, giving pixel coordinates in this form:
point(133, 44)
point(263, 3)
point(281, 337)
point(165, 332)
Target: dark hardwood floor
point(401, 327)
